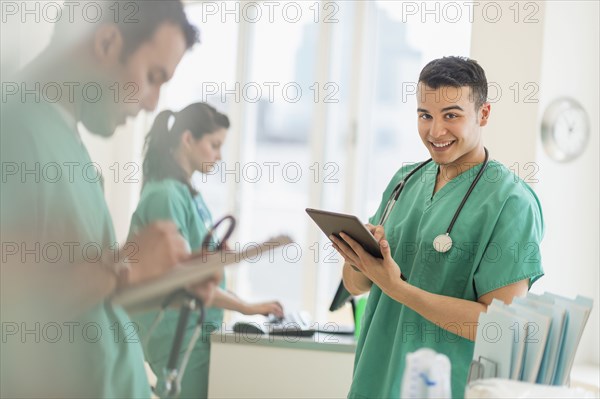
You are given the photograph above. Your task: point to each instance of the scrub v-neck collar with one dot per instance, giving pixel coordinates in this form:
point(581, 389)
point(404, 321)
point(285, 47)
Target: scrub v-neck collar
point(431, 198)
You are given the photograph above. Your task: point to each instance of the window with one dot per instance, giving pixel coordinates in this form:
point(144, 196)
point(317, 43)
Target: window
point(322, 116)
point(276, 154)
point(402, 50)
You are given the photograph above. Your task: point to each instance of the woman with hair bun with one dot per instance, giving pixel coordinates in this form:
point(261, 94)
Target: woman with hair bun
point(178, 145)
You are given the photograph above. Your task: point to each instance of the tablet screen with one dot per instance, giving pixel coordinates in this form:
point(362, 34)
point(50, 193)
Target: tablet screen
point(334, 223)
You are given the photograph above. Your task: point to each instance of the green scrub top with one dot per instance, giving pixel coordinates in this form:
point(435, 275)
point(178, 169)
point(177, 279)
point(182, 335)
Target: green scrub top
point(170, 199)
point(56, 201)
point(495, 243)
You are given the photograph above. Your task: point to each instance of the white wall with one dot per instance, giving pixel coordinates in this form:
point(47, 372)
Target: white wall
point(560, 55)
point(510, 53)
point(570, 191)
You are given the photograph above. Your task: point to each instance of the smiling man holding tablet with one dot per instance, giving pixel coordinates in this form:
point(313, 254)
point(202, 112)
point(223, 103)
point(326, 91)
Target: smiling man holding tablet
point(448, 225)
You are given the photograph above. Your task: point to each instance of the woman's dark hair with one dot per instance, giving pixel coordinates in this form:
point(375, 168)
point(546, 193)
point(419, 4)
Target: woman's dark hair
point(457, 72)
point(165, 135)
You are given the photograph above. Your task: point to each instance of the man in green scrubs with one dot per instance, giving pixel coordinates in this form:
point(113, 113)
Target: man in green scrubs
point(60, 259)
point(495, 250)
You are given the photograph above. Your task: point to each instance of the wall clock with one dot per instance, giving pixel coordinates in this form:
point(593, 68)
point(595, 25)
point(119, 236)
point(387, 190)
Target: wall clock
point(565, 129)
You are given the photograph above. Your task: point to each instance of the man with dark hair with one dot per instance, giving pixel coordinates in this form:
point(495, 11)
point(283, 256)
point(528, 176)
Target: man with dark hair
point(449, 244)
point(136, 20)
point(114, 70)
point(60, 259)
point(457, 72)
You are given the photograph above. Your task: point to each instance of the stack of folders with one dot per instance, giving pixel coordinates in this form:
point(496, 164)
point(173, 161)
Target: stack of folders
point(534, 339)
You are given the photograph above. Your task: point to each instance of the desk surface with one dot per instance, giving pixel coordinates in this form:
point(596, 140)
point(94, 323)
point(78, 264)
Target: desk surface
point(319, 342)
point(270, 367)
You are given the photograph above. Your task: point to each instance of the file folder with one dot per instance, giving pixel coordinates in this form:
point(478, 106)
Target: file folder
point(578, 312)
point(494, 341)
point(540, 336)
point(516, 325)
point(555, 334)
point(538, 329)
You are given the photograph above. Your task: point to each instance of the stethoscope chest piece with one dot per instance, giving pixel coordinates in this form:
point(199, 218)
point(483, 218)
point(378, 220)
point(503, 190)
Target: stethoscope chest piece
point(442, 243)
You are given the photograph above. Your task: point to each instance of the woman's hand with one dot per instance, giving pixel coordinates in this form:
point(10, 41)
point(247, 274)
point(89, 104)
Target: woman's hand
point(383, 272)
point(265, 309)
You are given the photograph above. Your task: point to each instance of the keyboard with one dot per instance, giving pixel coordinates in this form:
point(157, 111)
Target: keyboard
point(293, 324)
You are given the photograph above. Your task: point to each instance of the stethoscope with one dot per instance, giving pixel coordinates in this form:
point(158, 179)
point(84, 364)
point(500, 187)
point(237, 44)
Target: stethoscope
point(169, 386)
point(443, 242)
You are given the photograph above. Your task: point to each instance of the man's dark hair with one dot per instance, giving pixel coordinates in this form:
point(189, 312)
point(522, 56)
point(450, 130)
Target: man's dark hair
point(137, 20)
point(457, 72)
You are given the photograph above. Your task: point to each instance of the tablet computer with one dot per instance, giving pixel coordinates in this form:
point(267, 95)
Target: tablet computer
point(335, 223)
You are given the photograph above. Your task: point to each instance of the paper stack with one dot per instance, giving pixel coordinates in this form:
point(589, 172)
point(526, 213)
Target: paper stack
point(534, 339)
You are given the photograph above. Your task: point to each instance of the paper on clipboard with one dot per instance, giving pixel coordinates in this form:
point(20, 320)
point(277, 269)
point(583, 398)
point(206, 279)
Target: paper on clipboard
point(193, 270)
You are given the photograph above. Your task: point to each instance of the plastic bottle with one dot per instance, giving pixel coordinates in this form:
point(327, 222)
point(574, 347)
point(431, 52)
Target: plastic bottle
point(427, 375)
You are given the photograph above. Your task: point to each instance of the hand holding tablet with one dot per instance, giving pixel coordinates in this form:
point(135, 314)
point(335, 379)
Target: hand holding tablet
point(332, 223)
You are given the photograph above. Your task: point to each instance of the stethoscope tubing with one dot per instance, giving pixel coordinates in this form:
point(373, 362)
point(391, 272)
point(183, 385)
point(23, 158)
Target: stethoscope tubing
point(400, 186)
point(396, 193)
point(469, 191)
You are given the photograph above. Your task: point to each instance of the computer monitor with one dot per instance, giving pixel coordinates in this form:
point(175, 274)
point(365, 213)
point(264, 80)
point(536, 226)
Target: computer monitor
point(340, 298)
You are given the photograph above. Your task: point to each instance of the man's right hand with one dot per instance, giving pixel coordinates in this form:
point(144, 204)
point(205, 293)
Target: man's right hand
point(153, 251)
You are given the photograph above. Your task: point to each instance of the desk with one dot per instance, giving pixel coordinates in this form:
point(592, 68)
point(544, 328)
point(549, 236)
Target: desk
point(251, 366)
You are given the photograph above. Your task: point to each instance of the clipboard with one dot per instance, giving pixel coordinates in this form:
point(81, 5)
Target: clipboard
point(197, 268)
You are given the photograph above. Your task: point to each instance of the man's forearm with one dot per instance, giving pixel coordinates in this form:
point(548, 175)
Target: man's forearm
point(97, 281)
point(459, 316)
point(57, 291)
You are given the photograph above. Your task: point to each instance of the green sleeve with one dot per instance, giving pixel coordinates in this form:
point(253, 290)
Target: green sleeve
point(513, 252)
point(164, 204)
point(22, 201)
